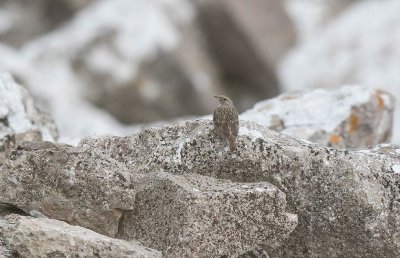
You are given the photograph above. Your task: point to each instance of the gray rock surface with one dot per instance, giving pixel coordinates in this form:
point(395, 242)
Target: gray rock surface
point(182, 215)
point(347, 201)
point(349, 117)
point(197, 216)
point(20, 119)
point(29, 237)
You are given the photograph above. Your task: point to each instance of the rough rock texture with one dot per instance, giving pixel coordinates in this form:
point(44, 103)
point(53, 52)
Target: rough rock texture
point(30, 237)
point(359, 47)
point(347, 201)
point(20, 120)
point(258, 253)
point(247, 39)
point(196, 216)
point(188, 215)
point(350, 117)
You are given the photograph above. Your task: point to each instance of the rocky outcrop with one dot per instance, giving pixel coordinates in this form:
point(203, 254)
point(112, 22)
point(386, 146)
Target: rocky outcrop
point(20, 119)
point(350, 117)
point(189, 215)
point(30, 237)
point(365, 53)
point(346, 201)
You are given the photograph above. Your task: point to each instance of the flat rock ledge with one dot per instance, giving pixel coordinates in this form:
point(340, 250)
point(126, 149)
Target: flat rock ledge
point(40, 237)
point(178, 189)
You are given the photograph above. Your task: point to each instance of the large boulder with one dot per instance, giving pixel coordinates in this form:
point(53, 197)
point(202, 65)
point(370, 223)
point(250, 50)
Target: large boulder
point(20, 119)
point(30, 237)
point(189, 215)
point(350, 117)
point(197, 216)
point(347, 201)
point(359, 47)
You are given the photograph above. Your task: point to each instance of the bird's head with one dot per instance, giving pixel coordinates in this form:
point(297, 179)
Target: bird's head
point(223, 100)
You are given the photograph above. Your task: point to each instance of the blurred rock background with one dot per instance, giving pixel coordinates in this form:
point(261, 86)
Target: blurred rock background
point(109, 66)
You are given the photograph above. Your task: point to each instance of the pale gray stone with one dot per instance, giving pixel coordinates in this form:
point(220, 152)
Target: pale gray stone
point(348, 117)
point(29, 237)
point(20, 119)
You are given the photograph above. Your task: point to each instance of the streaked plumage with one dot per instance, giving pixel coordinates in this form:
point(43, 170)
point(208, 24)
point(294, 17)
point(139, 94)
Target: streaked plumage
point(226, 121)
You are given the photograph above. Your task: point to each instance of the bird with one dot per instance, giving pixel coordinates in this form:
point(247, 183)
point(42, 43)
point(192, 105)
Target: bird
point(226, 121)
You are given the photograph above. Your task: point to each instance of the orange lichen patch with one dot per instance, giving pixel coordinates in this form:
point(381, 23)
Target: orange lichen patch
point(381, 102)
point(354, 123)
point(335, 139)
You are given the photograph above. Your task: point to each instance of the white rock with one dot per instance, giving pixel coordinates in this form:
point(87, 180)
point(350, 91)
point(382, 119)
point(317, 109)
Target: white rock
point(347, 117)
point(359, 47)
point(18, 113)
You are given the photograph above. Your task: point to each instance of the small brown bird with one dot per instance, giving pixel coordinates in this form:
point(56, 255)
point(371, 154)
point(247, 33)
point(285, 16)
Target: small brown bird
point(226, 121)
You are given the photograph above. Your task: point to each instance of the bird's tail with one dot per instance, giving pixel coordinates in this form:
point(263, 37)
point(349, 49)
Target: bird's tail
point(232, 143)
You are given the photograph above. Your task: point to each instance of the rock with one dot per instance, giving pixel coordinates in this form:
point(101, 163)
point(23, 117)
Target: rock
point(6, 209)
point(385, 150)
point(347, 201)
point(29, 237)
point(258, 253)
point(359, 47)
point(248, 40)
point(188, 215)
point(20, 119)
point(196, 216)
point(350, 117)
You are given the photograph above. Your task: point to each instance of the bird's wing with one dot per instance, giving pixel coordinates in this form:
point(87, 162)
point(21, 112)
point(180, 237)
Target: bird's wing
point(233, 118)
point(230, 123)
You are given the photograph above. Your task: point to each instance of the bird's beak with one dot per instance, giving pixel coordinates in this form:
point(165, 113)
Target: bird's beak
point(216, 97)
